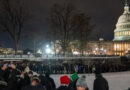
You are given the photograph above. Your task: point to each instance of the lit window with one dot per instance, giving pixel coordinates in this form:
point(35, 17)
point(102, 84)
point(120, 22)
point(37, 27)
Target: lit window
point(123, 32)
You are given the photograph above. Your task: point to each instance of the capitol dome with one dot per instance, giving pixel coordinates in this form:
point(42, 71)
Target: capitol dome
point(122, 31)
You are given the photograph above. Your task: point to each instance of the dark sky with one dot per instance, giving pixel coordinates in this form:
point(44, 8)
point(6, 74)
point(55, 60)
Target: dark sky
point(104, 14)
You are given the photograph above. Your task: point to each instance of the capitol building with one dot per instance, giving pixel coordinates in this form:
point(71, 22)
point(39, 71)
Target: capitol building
point(122, 31)
point(121, 42)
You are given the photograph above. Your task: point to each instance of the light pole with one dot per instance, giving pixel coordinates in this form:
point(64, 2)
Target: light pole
point(75, 53)
point(105, 51)
point(48, 50)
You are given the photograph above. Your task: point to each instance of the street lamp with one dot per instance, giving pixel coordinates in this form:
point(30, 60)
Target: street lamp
point(102, 49)
point(75, 52)
point(105, 51)
point(48, 50)
point(47, 46)
point(96, 49)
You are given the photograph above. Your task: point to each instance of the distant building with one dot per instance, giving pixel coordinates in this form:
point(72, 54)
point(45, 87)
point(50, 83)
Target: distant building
point(122, 33)
point(9, 51)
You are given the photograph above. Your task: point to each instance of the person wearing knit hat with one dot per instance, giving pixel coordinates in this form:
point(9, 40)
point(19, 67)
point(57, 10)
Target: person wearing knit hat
point(82, 83)
point(65, 81)
point(74, 78)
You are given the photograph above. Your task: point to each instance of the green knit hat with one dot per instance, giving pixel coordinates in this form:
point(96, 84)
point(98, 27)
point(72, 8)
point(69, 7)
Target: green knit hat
point(74, 77)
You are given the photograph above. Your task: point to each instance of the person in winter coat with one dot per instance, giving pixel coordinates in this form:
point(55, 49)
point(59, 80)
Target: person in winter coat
point(35, 85)
point(24, 79)
point(74, 78)
point(8, 74)
point(65, 81)
point(45, 82)
point(100, 83)
point(82, 83)
point(47, 76)
point(3, 85)
point(4, 74)
point(13, 77)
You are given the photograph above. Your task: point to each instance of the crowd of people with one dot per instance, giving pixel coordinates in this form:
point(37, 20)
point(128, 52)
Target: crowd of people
point(14, 76)
point(71, 68)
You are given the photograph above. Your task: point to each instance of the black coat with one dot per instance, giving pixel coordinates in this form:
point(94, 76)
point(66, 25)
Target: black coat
point(72, 85)
point(13, 80)
point(23, 82)
point(64, 88)
point(3, 85)
point(3, 88)
point(100, 83)
point(3, 80)
point(45, 82)
point(4, 74)
point(52, 82)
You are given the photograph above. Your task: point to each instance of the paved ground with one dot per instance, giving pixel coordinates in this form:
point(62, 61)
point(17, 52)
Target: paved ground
point(117, 81)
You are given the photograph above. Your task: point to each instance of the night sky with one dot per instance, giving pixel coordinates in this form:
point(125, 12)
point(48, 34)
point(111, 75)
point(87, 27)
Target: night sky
point(104, 14)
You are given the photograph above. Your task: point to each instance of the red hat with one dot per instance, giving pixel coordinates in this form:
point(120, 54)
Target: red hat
point(65, 80)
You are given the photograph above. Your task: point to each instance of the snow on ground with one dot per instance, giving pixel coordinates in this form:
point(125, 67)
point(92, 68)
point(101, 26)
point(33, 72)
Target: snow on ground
point(116, 81)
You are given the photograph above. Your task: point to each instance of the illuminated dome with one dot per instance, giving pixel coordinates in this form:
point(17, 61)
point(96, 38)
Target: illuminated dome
point(122, 31)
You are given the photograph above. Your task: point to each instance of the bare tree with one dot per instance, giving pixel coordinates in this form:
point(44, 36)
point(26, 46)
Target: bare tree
point(82, 31)
point(62, 20)
point(14, 14)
